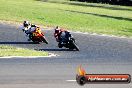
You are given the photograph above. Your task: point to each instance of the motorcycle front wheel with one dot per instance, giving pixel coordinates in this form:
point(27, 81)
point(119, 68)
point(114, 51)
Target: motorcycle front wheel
point(44, 40)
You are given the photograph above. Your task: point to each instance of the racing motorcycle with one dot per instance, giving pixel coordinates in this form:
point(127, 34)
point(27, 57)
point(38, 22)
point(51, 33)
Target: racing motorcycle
point(37, 36)
point(69, 42)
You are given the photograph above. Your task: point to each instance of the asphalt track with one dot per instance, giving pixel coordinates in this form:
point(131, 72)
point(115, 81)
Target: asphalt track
point(98, 54)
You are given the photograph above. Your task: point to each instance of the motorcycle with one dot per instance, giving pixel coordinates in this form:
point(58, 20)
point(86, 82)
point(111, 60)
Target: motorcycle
point(69, 43)
point(37, 36)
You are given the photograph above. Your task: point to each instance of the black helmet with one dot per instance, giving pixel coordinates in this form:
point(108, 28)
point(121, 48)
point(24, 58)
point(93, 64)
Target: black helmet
point(57, 29)
point(26, 23)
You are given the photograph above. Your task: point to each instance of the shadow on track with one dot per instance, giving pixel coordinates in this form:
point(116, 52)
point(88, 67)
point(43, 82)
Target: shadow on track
point(54, 50)
point(18, 43)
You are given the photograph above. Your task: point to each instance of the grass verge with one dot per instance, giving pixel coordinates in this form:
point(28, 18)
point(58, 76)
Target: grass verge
point(14, 51)
point(76, 16)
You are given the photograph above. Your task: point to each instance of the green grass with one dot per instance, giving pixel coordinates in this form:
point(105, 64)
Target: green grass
point(14, 51)
point(76, 16)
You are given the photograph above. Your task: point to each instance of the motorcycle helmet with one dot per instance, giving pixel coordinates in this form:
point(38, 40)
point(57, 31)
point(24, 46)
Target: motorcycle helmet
point(26, 23)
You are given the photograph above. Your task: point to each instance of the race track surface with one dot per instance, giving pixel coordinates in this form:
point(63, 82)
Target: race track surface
point(98, 55)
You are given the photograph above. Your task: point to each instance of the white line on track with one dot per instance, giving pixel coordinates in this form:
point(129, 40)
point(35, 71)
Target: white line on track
point(50, 55)
point(71, 80)
point(24, 56)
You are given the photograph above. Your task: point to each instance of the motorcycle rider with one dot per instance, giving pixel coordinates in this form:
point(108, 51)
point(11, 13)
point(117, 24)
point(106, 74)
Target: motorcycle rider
point(65, 39)
point(28, 28)
point(61, 35)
